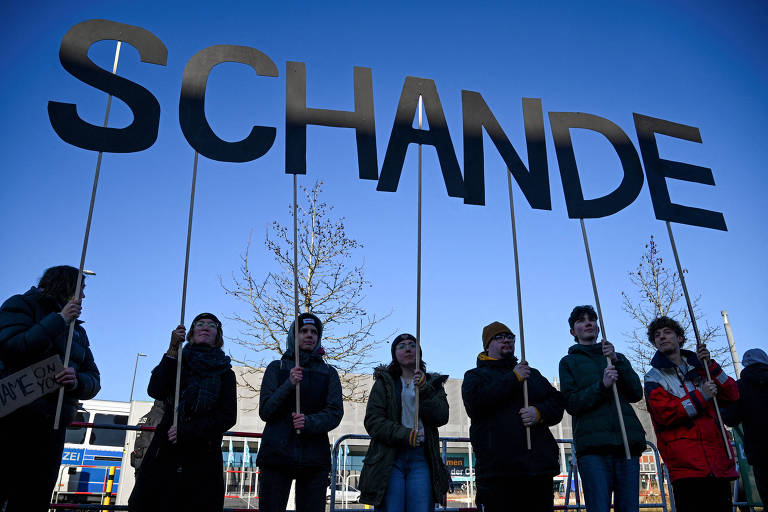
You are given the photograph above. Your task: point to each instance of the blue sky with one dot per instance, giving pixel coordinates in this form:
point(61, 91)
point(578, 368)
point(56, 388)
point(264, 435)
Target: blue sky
point(696, 63)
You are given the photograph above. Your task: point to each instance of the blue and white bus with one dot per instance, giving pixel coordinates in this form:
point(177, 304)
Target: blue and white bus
point(90, 463)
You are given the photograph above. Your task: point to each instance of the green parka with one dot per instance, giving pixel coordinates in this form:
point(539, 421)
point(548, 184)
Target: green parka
point(388, 434)
point(596, 428)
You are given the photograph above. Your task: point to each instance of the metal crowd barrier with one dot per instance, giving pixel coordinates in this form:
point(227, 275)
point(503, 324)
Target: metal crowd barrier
point(571, 481)
point(661, 474)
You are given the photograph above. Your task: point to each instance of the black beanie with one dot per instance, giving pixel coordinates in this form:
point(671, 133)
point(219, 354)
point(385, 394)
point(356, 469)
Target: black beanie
point(310, 319)
point(207, 316)
point(401, 337)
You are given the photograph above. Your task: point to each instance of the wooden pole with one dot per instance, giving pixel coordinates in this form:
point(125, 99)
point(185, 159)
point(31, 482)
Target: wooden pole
point(696, 332)
point(418, 287)
point(79, 285)
point(519, 299)
point(602, 331)
point(296, 294)
point(184, 293)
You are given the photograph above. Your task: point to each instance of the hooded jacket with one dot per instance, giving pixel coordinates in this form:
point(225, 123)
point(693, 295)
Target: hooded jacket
point(383, 422)
point(687, 431)
point(493, 397)
point(751, 409)
point(596, 427)
point(31, 329)
point(321, 405)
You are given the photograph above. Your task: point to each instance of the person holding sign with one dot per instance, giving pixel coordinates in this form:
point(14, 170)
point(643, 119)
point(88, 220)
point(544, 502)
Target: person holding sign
point(403, 470)
point(181, 469)
point(508, 473)
point(586, 380)
point(33, 327)
point(294, 444)
point(680, 401)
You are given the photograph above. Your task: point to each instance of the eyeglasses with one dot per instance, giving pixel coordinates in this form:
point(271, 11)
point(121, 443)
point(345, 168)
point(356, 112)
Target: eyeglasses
point(504, 336)
point(405, 344)
point(205, 323)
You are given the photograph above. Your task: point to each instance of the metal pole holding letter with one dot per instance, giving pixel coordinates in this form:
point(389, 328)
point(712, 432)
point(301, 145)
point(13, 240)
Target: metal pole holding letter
point(78, 287)
point(296, 295)
point(519, 300)
point(698, 338)
point(418, 287)
point(602, 331)
point(184, 293)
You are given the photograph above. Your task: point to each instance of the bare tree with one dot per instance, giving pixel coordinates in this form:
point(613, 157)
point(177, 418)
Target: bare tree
point(658, 291)
point(330, 286)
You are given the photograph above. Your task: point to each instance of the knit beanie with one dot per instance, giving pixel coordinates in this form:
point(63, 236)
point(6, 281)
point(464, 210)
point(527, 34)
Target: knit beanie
point(754, 355)
point(207, 316)
point(491, 330)
point(310, 319)
point(401, 337)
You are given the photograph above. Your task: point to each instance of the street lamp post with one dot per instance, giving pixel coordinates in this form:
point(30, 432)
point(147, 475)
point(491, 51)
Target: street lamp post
point(133, 381)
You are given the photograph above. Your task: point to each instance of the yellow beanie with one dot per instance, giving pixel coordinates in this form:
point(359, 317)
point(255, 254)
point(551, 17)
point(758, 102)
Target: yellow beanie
point(491, 330)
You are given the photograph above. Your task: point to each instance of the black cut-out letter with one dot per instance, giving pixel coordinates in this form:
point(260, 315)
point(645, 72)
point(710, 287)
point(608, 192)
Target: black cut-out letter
point(658, 169)
point(403, 134)
point(192, 119)
point(298, 116)
point(142, 132)
point(631, 183)
point(534, 184)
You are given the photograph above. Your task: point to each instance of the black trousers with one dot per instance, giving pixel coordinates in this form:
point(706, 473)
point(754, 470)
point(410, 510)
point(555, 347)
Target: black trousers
point(698, 494)
point(275, 487)
point(29, 438)
point(531, 494)
point(761, 479)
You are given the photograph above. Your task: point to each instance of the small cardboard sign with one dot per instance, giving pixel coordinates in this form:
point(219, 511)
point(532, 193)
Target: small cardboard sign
point(29, 384)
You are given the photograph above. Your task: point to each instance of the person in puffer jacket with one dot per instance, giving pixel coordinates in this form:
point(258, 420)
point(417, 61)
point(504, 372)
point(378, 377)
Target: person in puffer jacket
point(295, 446)
point(33, 327)
point(680, 401)
point(586, 381)
point(509, 475)
point(181, 468)
point(403, 470)
point(751, 410)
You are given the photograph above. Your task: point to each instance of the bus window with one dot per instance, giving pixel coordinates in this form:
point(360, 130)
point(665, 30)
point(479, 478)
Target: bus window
point(103, 437)
point(77, 436)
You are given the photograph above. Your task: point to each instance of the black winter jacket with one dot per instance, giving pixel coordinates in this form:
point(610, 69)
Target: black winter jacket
point(751, 409)
point(493, 397)
point(321, 405)
point(31, 329)
point(199, 486)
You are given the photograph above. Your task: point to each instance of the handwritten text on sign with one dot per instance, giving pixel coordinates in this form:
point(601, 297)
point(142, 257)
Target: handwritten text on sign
point(29, 384)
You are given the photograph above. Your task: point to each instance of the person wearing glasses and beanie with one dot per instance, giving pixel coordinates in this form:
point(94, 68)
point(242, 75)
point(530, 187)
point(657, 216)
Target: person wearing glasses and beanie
point(403, 470)
point(586, 380)
point(295, 444)
point(508, 474)
point(181, 469)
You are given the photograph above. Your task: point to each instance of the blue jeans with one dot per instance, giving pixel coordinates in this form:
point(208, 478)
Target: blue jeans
point(603, 474)
point(410, 486)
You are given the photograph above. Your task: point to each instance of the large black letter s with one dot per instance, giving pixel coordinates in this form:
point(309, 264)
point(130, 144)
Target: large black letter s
point(142, 132)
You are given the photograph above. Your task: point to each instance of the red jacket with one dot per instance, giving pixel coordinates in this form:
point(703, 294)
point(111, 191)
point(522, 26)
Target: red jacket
point(688, 434)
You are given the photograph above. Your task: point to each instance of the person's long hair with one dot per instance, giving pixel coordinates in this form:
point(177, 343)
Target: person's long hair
point(393, 367)
point(59, 283)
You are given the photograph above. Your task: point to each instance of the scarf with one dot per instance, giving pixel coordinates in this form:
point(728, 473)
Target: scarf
point(202, 367)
